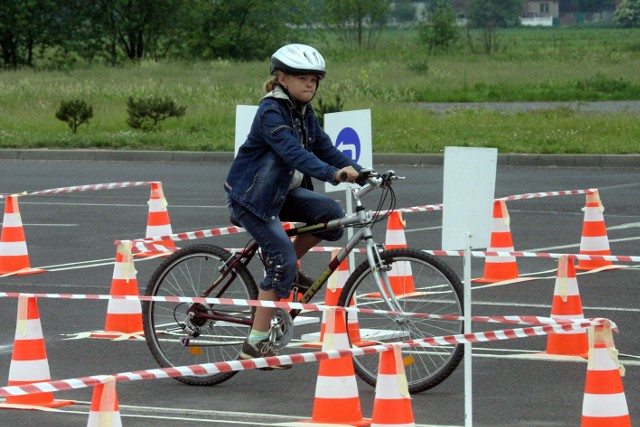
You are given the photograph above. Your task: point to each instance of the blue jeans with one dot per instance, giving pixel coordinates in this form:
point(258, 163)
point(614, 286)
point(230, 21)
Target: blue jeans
point(301, 205)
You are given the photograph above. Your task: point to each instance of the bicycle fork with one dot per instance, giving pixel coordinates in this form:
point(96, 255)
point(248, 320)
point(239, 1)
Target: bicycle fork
point(380, 271)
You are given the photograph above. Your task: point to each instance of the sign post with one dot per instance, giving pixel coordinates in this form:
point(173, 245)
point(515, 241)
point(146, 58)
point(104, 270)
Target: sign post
point(469, 185)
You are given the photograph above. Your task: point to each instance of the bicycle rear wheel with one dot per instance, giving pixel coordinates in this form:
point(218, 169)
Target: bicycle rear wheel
point(422, 284)
point(189, 272)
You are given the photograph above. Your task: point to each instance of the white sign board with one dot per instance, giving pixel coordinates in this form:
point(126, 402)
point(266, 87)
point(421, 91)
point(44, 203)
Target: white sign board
point(350, 132)
point(244, 119)
point(469, 186)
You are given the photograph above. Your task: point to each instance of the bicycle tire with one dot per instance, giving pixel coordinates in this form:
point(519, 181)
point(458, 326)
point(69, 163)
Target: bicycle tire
point(188, 272)
point(434, 289)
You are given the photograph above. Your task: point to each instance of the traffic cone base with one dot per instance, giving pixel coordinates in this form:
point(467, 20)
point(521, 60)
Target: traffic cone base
point(596, 268)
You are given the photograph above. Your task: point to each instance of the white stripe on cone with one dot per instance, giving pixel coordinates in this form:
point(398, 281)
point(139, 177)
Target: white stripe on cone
point(119, 306)
point(395, 237)
point(387, 387)
point(597, 243)
point(336, 387)
point(500, 259)
point(13, 248)
point(605, 405)
point(12, 220)
point(29, 370)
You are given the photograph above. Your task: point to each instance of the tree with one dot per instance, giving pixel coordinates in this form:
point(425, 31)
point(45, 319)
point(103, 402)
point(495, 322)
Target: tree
point(74, 113)
point(147, 113)
point(25, 27)
point(488, 15)
point(628, 14)
point(242, 29)
point(439, 31)
point(135, 29)
point(357, 21)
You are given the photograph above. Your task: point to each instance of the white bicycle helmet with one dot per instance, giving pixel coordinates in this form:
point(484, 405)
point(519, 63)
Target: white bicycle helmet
point(297, 59)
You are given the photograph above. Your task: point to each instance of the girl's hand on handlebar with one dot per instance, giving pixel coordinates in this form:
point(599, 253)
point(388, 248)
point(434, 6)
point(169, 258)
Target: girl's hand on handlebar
point(347, 174)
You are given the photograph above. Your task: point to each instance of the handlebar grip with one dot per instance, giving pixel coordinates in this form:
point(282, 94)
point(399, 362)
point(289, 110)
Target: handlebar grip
point(343, 176)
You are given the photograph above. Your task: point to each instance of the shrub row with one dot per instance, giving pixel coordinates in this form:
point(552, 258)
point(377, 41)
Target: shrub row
point(144, 113)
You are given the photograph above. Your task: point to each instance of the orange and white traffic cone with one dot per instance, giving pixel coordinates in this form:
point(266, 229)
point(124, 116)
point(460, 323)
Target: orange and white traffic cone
point(14, 258)
point(124, 317)
point(400, 276)
point(105, 411)
point(500, 268)
point(29, 359)
point(594, 240)
point(604, 401)
point(158, 223)
point(334, 287)
point(336, 398)
point(392, 404)
point(567, 305)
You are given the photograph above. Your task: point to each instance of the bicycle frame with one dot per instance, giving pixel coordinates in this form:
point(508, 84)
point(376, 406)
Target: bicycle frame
point(361, 217)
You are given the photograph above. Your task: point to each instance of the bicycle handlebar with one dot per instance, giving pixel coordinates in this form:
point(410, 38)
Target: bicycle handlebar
point(370, 176)
point(369, 179)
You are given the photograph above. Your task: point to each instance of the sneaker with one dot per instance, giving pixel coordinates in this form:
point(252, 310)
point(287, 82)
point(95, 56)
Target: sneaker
point(260, 349)
point(302, 281)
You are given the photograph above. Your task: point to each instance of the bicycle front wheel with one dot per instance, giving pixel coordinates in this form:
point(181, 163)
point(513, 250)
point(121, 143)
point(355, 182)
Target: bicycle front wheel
point(421, 284)
point(168, 328)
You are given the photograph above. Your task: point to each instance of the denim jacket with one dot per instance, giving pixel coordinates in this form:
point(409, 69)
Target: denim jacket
point(281, 140)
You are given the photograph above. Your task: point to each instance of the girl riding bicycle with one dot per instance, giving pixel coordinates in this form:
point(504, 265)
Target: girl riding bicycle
point(270, 181)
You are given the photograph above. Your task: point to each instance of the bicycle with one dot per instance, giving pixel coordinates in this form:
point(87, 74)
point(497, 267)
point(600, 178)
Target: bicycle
point(398, 280)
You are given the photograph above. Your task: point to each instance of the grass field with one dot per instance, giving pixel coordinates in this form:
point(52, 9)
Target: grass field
point(551, 64)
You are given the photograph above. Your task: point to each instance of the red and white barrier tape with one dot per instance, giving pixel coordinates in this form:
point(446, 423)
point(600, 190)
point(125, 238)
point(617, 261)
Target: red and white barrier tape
point(425, 208)
point(150, 246)
point(90, 187)
point(440, 206)
point(544, 194)
point(241, 365)
point(484, 254)
point(520, 320)
point(148, 242)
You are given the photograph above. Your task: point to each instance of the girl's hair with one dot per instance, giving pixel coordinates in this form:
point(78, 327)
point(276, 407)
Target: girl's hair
point(271, 84)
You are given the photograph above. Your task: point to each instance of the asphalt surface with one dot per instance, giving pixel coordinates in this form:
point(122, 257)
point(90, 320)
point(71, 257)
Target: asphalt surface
point(72, 236)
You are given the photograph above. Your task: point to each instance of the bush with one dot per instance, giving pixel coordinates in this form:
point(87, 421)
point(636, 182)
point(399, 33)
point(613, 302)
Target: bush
point(74, 112)
point(628, 14)
point(147, 113)
point(603, 84)
point(440, 32)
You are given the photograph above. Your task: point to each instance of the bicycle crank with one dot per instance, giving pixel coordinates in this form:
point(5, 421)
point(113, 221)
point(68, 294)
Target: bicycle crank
point(281, 331)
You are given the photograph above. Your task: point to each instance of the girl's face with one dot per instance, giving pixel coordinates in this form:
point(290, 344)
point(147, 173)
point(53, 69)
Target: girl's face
point(301, 88)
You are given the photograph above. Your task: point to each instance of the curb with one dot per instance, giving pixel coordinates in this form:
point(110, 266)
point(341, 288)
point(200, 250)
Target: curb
point(417, 160)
